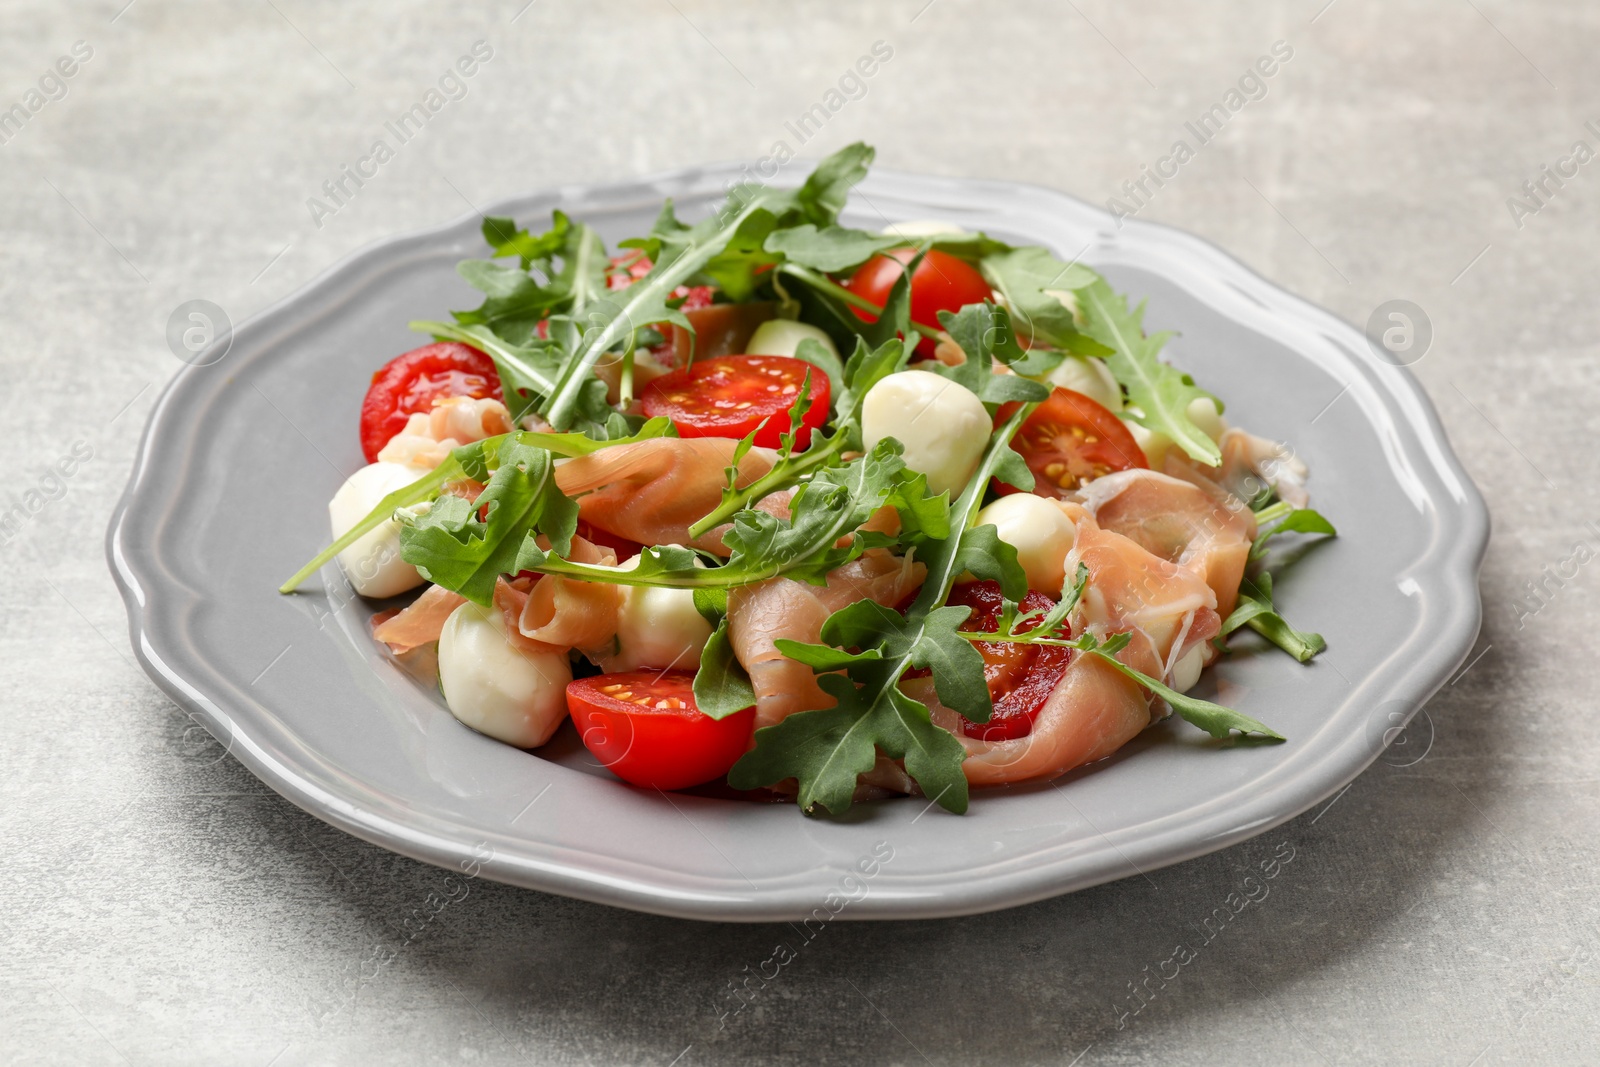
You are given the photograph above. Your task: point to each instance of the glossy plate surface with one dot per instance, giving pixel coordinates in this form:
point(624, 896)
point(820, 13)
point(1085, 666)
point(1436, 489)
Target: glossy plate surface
point(229, 496)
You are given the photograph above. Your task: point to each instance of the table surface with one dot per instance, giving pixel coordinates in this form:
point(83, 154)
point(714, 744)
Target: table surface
point(167, 908)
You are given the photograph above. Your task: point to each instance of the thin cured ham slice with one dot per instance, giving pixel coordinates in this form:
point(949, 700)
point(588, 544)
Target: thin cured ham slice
point(1092, 712)
point(419, 622)
point(758, 615)
point(1179, 522)
point(653, 491)
point(1131, 589)
point(1249, 463)
point(551, 614)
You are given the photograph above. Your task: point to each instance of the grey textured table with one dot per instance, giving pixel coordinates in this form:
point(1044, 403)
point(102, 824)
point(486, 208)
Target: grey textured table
point(164, 907)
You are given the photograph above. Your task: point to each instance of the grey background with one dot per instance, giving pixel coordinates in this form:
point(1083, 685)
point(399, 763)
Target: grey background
point(165, 908)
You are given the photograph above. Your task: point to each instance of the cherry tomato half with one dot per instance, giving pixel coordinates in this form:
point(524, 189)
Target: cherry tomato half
point(1069, 440)
point(644, 727)
point(1020, 677)
point(941, 282)
point(728, 396)
point(410, 383)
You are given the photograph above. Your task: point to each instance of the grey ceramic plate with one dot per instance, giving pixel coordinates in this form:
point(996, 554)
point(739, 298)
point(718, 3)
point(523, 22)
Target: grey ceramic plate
point(229, 496)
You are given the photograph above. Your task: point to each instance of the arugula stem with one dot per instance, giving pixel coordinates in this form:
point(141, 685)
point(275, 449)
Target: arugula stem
point(650, 290)
point(822, 283)
point(424, 488)
point(1273, 512)
point(774, 480)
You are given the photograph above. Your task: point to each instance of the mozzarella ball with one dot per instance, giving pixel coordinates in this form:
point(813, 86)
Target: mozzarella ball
point(373, 562)
point(780, 337)
point(496, 688)
point(1040, 532)
point(1069, 300)
point(924, 228)
point(1203, 413)
point(1091, 377)
point(1186, 672)
point(657, 627)
point(942, 424)
point(1152, 443)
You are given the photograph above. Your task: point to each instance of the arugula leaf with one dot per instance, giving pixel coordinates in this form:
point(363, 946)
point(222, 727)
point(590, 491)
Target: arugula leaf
point(1160, 391)
point(739, 267)
point(1029, 279)
point(1257, 611)
point(984, 333)
point(981, 553)
point(825, 750)
point(721, 686)
point(452, 547)
point(1281, 518)
point(827, 510)
point(825, 190)
point(1214, 719)
point(507, 239)
point(831, 248)
point(735, 234)
point(828, 750)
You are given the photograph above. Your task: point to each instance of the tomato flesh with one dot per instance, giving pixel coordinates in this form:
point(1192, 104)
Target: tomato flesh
point(729, 396)
point(644, 727)
point(1020, 677)
point(411, 382)
point(1070, 440)
point(941, 282)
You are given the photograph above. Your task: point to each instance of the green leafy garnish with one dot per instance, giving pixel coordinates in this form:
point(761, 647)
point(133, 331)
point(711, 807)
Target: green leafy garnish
point(984, 333)
point(1045, 629)
point(826, 750)
point(1159, 390)
point(823, 532)
point(1257, 611)
point(721, 686)
point(831, 248)
point(1281, 518)
point(1029, 279)
point(450, 546)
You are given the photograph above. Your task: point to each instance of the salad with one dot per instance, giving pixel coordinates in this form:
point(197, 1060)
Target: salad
point(773, 505)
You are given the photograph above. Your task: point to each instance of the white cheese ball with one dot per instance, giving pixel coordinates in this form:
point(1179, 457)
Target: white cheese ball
point(1203, 413)
point(496, 688)
point(1186, 672)
point(1152, 443)
point(1091, 377)
point(1040, 532)
point(657, 627)
point(780, 337)
point(373, 562)
point(942, 424)
point(924, 228)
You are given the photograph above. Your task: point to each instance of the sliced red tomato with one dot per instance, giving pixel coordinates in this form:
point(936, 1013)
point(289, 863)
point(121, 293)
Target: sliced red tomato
point(1020, 677)
point(941, 282)
point(644, 727)
point(1069, 440)
point(729, 396)
point(410, 383)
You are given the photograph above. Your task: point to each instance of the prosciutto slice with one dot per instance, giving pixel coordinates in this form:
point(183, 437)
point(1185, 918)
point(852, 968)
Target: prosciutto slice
point(758, 615)
point(653, 491)
point(1092, 712)
point(1178, 522)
